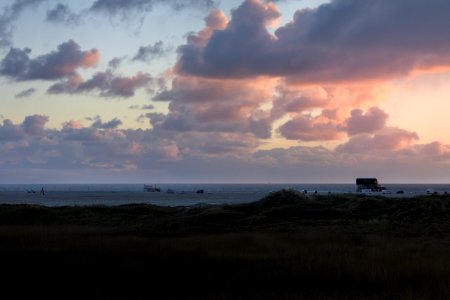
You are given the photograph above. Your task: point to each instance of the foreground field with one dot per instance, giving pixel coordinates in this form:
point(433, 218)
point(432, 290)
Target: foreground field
point(285, 246)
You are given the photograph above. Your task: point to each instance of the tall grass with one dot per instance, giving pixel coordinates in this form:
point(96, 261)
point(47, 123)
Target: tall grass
point(248, 265)
point(286, 246)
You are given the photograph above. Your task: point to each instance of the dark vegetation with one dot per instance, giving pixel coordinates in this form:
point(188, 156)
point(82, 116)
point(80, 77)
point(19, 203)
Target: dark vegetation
point(285, 246)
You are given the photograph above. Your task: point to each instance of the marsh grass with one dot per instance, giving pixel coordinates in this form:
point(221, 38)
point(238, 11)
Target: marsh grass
point(285, 247)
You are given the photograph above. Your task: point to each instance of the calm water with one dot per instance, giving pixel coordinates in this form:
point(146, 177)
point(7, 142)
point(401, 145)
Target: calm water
point(217, 188)
point(181, 194)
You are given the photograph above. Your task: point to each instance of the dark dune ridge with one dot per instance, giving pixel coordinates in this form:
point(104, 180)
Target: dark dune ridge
point(285, 246)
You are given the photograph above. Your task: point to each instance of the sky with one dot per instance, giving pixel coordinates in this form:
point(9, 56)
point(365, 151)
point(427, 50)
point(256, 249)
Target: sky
point(230, 91)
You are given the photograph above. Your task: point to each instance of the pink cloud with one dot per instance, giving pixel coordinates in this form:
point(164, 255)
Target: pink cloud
point(307, 128)
point(200, 104)
point(126, 86)
point(387, 139)
point(436, 150)
point(58, 64)
point(72, 124)
point(373, 120)
point(389, 154)
point(90, 58)
point(216, 20)
point(107, 83)
point(293, 99)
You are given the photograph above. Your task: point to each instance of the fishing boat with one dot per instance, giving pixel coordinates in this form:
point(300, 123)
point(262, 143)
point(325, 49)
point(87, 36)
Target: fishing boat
point(151, 188)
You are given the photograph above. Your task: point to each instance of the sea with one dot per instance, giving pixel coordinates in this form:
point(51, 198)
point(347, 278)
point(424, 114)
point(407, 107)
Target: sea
point(180, 194)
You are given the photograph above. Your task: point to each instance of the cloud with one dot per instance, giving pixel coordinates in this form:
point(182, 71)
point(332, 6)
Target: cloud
point(114, 123)
point(126, 9)
point(31, 126)
point(299, 99)
point(72, 124)
point(341, 41)
point(215, 20)
point(99, 147)
point(228, 51)
point(34, 125)
point(9, 15)
point(148, 106)
point(200, 104)
point(58, 64)
point(234, 82)
point(108, 84)
point(62, 14)
point(164, 95)
point(207, 145)
point(322, 113)
point(143, 107)
point(387, 139)
point(308, 99)
point(319, 164)
point(30, 150)
point(293, 99)
point(115, 63)
point(373, 120)
point(10, 132)
point(436, 151)
point(150, 52)
point(26, 93)
point(308, 128)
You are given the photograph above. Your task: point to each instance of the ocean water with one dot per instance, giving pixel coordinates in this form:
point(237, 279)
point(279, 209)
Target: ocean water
point(179, 195)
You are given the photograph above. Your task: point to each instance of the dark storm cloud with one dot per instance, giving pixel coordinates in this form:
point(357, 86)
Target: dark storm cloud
point(55, 65)
point(339, 41)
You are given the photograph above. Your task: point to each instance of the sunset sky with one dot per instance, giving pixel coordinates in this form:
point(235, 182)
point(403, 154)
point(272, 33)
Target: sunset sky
point(171, 91)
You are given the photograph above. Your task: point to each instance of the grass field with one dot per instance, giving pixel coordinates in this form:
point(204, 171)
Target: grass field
point(285, 246)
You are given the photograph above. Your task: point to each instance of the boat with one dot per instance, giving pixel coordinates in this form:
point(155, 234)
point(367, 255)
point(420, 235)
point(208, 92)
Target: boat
point(370, 186)
point(151, 188)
